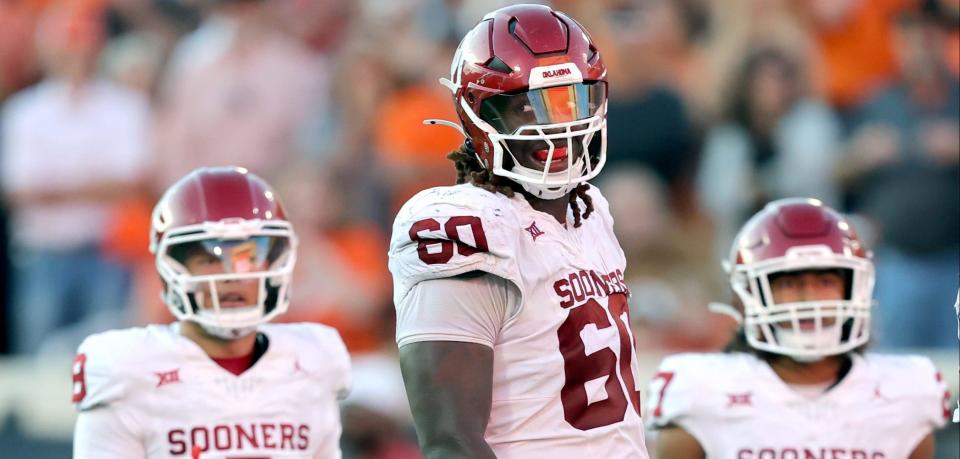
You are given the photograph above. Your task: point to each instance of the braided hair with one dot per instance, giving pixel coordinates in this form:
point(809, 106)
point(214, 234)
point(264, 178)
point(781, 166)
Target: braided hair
point(469, 170)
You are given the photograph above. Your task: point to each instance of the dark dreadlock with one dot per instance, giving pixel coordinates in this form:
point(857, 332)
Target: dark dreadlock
point(469, 170)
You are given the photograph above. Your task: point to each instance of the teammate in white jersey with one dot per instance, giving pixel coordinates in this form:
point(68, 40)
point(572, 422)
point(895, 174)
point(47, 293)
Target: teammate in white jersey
point(511, 307)
point(795, 384)
point(956, 307)
point(220, 383)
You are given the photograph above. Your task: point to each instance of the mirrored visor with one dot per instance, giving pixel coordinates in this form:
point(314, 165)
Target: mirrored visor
point(558, 104)
point(230, 256)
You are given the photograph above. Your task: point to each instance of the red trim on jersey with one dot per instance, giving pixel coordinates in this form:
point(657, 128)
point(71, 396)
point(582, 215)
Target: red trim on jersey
point(236, 365)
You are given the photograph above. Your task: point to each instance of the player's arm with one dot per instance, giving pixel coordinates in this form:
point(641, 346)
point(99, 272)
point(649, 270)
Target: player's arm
point(105, 428)
point(671, 406)
point(674, 442)
point(449, 386)
point(446, 330)
point(917, 377)
point(101, 433)
point(924, 449)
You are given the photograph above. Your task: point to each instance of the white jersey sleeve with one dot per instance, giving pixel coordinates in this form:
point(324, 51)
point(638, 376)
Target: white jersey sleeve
point(675, 389)
point(106, 433)
point(98, 368)
point(465, 309)
point(330, 362)
point(447, 231)
point(104, 429)
point(322, 355)
point(914, 379)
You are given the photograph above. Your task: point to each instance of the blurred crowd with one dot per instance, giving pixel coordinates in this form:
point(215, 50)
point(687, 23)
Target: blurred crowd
point(716, 107)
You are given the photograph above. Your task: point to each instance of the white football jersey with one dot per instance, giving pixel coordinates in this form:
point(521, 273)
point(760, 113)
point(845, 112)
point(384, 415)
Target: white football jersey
point(564, 372)
point(956, 307)
point(176, 402)
point(738, 408)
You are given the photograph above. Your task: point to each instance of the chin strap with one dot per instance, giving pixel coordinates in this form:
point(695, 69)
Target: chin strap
point(805, 358)
point(228, 333)
point(726, 310)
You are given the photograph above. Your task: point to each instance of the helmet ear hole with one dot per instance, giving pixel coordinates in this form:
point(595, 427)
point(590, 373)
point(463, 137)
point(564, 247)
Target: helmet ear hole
point(594, 54)
point(471, 98)
point(497, 64)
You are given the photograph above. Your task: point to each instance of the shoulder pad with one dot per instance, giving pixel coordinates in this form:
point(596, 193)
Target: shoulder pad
point(447, 231)
point(319, 349)
point(18, 102)
point(100, 369)
point(683, 380)
point(913, 377)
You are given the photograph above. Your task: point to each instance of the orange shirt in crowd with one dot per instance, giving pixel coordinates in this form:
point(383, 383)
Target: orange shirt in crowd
point(361, 254)
point(856, 53)
point(953, 53)
point(414, 153)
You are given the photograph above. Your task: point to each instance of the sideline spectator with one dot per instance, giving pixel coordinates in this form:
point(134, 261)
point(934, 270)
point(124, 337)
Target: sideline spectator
point(901, 168)
point(72, 146)
point(669, 282)
point(776, 141)
point(238, 91)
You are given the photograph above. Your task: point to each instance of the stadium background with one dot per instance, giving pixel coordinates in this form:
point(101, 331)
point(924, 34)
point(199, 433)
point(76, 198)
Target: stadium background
point(715, 107)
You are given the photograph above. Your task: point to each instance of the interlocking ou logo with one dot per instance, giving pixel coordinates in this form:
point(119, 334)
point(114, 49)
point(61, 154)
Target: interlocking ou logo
point(167, 377)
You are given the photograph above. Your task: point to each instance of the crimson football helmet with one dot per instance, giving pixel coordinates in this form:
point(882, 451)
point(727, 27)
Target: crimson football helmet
point(224, 250)
point(792, 235)
point(529, 76)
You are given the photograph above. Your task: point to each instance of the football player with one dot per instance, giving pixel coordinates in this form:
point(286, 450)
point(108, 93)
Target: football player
point(512, 318)
point(956, 307)
point(220, 382)
point(795, 383)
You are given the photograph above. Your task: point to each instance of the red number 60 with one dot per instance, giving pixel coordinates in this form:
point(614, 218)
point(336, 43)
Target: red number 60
point(453, 238)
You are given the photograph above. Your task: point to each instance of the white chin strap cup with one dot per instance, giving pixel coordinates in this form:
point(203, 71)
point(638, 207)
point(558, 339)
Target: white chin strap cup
point(227, 333)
